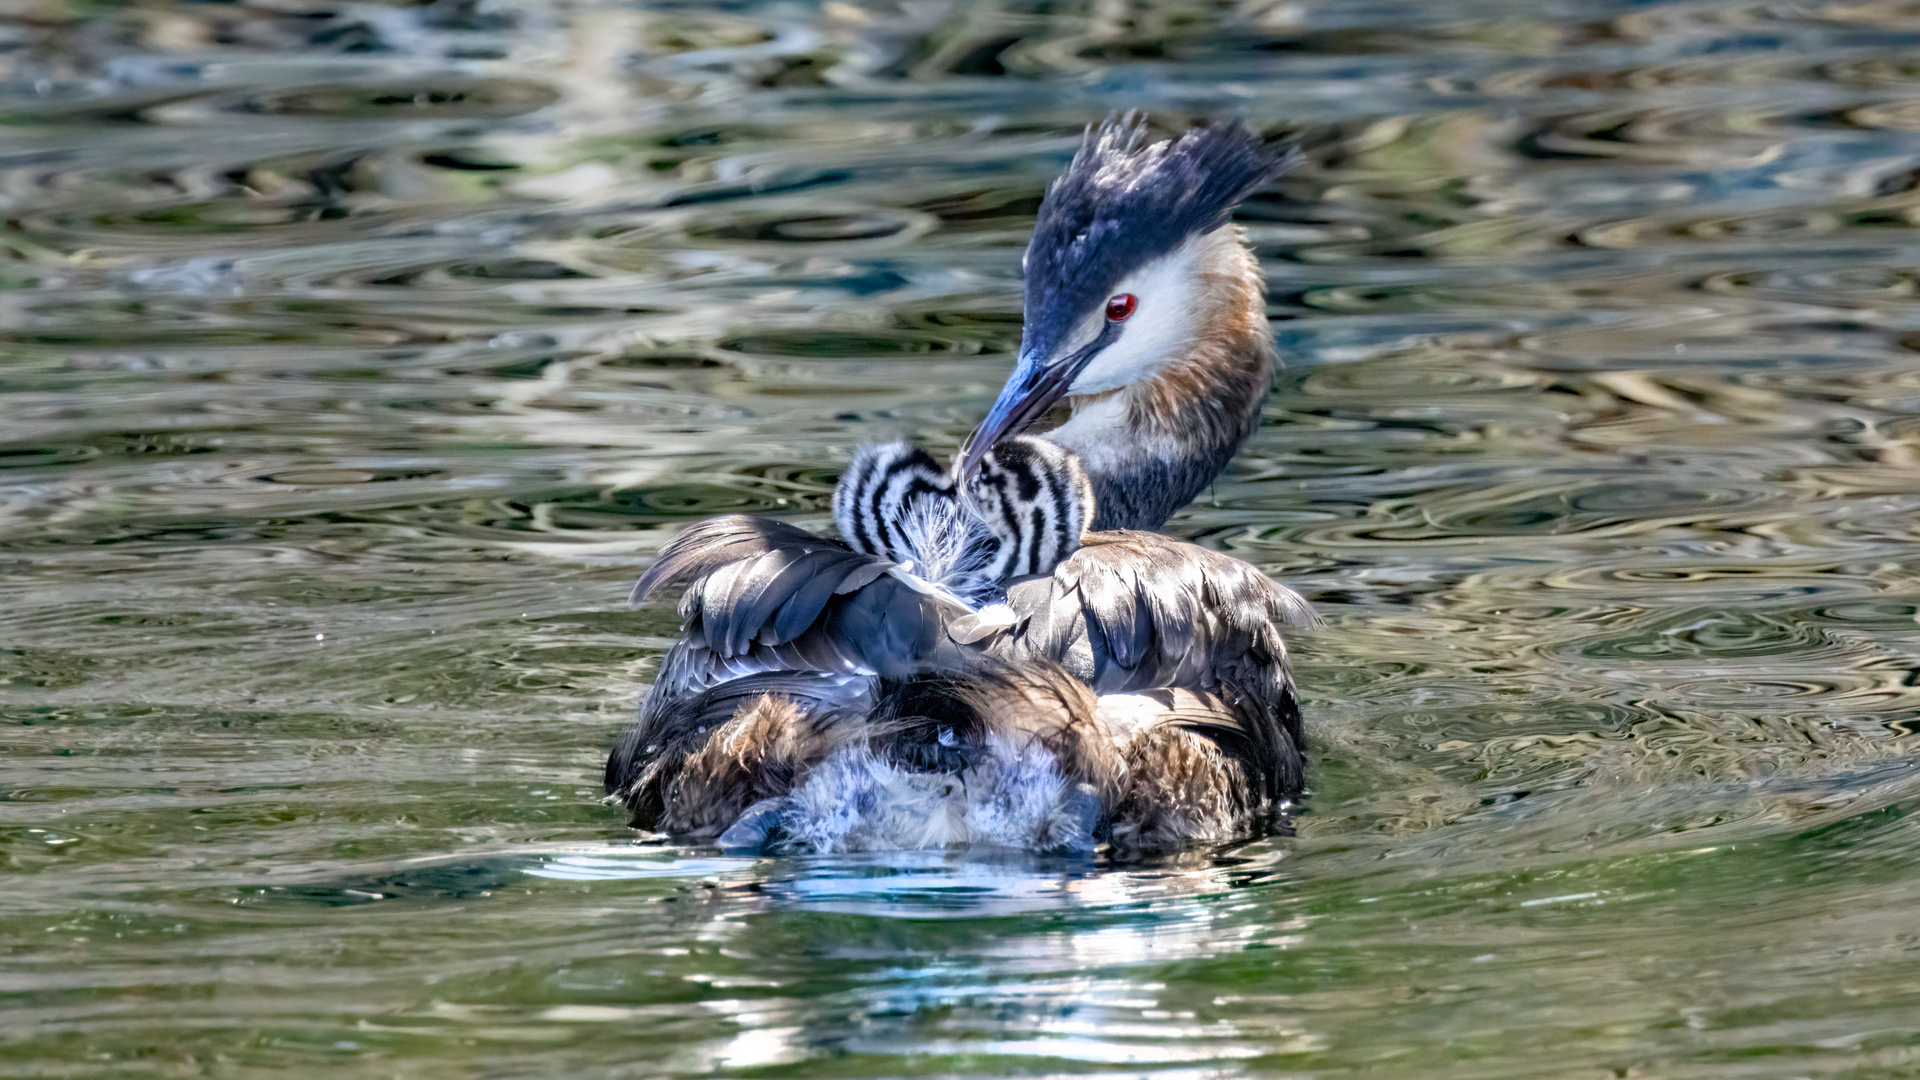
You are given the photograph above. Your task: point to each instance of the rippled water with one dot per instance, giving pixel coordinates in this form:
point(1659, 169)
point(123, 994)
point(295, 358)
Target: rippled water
point(357, 356)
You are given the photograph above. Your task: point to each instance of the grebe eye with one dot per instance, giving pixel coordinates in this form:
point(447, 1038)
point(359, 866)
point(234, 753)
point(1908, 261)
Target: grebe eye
point(1119, 306)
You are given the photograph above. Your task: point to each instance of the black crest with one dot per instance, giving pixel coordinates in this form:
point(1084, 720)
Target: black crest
point(1124, 202)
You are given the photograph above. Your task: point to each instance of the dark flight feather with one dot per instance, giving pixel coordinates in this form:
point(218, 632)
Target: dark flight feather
point(810, 595)
point(701, 548)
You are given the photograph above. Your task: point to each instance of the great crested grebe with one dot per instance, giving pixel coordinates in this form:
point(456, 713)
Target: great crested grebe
point(971, 664)
point(1145, 309)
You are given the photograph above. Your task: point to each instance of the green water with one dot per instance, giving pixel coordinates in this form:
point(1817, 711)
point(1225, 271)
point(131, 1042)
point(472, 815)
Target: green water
point(355, 357)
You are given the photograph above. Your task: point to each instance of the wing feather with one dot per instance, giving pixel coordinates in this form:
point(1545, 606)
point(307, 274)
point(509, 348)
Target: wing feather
point(1135, 612)
point(810, 597)
point(771, 609)
point(767, 596)
point(768, 577)
point(714, 604)
point(701, 548)
point(859, 577)
point(761, 614)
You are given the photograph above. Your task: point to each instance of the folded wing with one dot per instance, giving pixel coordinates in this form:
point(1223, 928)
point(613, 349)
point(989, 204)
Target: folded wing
point(1138, 614)
point(770, 609)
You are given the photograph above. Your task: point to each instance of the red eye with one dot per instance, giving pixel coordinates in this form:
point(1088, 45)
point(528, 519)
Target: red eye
point(1119, 306)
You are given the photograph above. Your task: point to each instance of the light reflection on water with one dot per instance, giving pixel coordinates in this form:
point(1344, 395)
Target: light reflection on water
point(355, 357)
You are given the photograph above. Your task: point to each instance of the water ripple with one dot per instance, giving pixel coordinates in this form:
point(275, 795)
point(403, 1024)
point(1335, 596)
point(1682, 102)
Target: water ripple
point(355, 357)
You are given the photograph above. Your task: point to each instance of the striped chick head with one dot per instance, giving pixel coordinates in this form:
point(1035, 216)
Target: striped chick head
point(1033, 496)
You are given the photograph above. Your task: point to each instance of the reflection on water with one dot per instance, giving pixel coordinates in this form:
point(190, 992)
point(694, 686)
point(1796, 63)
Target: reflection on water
point(354, 357)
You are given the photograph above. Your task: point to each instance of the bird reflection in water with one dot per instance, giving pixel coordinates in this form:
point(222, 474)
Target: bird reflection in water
point(1000, 653)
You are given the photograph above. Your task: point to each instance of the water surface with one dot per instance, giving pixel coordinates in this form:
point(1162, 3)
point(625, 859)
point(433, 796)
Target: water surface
point(355, 357)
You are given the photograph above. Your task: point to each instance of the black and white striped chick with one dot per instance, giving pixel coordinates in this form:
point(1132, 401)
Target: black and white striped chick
point(1023, 511)
point(1034, 497)
point(883, 493)
point(894, 501)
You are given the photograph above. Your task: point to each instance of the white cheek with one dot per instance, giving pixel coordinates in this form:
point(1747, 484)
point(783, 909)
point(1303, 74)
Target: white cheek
point(1089, 433)
point(1162, 325)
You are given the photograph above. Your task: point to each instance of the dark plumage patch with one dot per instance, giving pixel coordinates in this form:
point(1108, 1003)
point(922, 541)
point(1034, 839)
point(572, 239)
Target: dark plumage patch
point(1124, 202)
point(758, 753)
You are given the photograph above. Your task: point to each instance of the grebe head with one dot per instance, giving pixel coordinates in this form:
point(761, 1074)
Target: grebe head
point(1034, 497)
point(1131, 244)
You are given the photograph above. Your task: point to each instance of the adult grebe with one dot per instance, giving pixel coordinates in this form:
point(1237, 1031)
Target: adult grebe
point(970, 665)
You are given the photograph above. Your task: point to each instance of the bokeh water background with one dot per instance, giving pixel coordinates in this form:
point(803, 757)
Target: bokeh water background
point(354, 357)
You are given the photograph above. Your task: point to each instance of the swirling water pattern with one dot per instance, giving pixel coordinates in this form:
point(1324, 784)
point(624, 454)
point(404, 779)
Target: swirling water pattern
point(355, 356)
